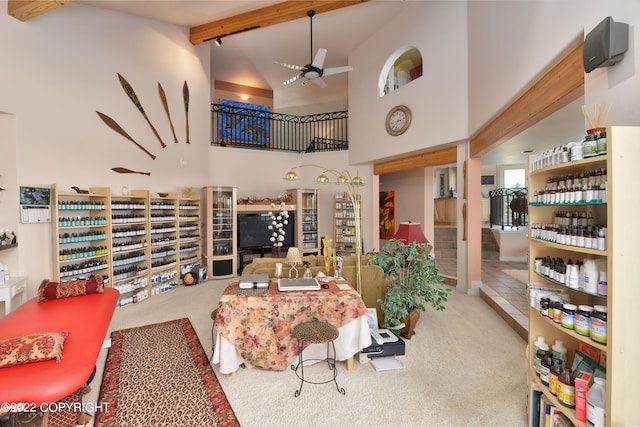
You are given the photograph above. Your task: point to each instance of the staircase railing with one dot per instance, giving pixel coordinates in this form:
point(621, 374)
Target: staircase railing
point(509, 208)
point(259, 129)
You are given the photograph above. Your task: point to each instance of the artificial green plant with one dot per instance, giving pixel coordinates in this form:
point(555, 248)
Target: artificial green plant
point(413, 280)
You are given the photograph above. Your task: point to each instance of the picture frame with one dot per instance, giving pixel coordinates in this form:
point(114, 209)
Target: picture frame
point(244, 123)
point(372, 318)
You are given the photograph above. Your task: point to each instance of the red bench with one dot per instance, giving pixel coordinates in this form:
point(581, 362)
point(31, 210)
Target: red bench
point(87, 320)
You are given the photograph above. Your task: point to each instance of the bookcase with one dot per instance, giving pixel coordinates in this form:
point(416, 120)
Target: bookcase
point(618, 212)
point(163, 231)
point(220, 241)
point(189, 231)
point(136, 241)
point(130, 246)
point(81, 234)
point(307, 214)
point(344, 225)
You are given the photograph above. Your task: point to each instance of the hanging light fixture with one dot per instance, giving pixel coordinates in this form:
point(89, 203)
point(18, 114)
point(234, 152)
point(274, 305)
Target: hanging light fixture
point(219, 41)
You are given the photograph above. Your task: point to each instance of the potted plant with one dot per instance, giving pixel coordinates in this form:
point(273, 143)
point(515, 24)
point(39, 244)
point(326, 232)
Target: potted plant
point(413, 283)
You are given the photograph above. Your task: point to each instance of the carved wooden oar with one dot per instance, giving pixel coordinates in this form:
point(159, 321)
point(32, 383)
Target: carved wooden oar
point(185, 96)
point(134, 98)
point(125, 170)
point(163, 97)
point(115, 126)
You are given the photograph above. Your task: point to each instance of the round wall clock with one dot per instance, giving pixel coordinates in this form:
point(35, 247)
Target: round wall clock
point(398, 120)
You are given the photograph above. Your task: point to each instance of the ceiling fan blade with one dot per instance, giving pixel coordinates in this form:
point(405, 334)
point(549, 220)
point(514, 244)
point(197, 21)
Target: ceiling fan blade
point(291, 80)
point(318, 81)
point(336, 70)
point(291, 66)
point(318, 61)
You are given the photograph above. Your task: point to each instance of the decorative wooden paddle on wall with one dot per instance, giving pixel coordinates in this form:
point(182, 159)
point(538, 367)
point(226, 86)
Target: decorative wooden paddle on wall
point(125, 170)
point(464, 221)
point(134, 98)
point(115, 126)
point(185, 96)
point(163, 97)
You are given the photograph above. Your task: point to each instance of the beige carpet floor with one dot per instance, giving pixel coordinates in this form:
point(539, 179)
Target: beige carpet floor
point(464, 367)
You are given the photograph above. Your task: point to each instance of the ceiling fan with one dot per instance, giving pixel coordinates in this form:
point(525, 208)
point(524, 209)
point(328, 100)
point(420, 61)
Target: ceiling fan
point(314, 71)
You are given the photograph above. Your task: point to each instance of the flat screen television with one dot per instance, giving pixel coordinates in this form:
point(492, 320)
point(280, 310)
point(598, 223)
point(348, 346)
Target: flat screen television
point(254, 234)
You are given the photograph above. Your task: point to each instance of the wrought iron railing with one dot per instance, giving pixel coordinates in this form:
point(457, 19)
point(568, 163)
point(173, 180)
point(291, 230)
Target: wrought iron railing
point(509, 208)
point(254, 128)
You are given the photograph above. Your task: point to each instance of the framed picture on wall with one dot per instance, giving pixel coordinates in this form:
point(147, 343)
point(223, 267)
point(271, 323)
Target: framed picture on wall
point(241, 122)
point(387, 215)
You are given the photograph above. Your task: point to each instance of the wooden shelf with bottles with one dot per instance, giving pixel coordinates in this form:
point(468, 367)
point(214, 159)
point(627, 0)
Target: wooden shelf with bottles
point(307, 209)
point(81, 234)
point(190, 234)
point(131, 249)
point(220, 225)
point(344, 225)
point(621, 299)
point(163, 234)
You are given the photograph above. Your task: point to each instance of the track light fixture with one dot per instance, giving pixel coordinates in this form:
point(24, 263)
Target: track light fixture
point(219, 41)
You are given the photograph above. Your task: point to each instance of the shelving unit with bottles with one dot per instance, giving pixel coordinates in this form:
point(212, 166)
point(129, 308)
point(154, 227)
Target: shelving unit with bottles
point(130, 246)
point(345, 225)
point(163, 233)
point(307, 215)
point(622, 297)
point(81, 234)
point(220, 241)
point(189, 231)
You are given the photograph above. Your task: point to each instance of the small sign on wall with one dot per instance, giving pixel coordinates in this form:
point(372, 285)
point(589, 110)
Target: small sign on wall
point(35, 204)
point(487, 180)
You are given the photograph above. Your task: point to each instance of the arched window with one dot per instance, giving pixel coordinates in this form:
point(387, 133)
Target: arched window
point(404, 66)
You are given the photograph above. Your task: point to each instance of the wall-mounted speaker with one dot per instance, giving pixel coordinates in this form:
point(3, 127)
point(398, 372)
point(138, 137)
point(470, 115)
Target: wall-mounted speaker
point(605, 45)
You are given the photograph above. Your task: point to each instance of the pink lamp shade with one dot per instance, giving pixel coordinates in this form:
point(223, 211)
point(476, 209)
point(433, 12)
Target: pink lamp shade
point(409, 232)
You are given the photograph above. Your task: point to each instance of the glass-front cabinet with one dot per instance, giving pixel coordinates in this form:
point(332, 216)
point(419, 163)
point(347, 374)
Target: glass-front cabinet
point(307, 214)
point(220, 231)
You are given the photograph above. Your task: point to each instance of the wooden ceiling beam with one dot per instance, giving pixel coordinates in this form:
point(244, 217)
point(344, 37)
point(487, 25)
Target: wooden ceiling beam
point(432, 158)
point(24, 10)
point(264, 17)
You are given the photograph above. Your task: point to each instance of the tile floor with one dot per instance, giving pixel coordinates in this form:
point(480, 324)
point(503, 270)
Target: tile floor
point(504, 293)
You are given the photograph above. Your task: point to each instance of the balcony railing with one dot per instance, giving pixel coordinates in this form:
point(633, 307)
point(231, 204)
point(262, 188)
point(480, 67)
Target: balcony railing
point(509, 208)
point(249, 128)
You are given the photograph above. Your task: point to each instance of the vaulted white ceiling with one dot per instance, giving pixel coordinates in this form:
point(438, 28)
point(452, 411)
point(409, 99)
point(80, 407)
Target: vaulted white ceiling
point(248, 58)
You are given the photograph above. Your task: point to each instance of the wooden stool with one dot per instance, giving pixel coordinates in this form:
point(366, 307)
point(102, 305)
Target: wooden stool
point(315, 332)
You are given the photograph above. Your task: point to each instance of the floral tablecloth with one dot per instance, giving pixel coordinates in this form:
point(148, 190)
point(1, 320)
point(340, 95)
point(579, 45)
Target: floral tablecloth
point(260, 327)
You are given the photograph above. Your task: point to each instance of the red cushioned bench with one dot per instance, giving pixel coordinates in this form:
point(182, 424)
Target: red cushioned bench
point(86, 318)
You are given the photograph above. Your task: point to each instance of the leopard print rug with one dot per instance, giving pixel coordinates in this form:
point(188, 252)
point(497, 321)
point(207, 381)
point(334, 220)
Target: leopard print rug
point(159, 375)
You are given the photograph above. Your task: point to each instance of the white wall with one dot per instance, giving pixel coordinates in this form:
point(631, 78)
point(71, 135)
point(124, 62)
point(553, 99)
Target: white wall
point(57, 70)
point(438, 99)
point(512, 43)
point(258, 173)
